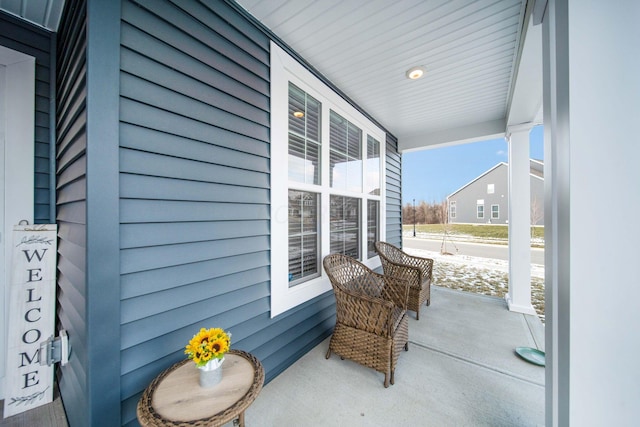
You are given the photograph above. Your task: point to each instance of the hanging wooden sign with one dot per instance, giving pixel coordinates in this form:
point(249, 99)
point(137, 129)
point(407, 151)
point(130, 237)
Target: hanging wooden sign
point(31, 317)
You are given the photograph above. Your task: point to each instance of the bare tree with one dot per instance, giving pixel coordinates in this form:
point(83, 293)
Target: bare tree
point(537, 213)
point(443, 214)
point(425, 213)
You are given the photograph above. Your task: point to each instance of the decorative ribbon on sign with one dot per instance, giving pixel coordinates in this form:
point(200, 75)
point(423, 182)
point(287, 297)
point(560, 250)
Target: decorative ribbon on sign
point(31, 317)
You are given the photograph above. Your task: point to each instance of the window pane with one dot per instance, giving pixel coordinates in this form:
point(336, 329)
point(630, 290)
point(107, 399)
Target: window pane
point(373, 209)
point(338, 133)
point(345, 226)
point(373, 166)
point(303, 236)
point(345, 166)
point(354, 142)
point(304, 136)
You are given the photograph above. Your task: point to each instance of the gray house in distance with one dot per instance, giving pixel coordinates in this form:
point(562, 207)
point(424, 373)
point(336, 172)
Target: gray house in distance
point(485, 200)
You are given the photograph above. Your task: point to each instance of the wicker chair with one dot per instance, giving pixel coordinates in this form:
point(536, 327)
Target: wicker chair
point(418, 271)
point(371, 322)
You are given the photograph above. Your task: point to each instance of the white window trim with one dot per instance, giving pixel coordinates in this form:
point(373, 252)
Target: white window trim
point(285, 69)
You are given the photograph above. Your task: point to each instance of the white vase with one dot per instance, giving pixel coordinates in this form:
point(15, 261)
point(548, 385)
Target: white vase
point(211, 373)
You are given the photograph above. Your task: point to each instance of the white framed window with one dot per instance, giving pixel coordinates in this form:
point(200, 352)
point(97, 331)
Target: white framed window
point(452, 209)
point(327, 182)
point(491, 188)
point(495, 211)
point(373, 226)
point(304, 209)
point(480, 208)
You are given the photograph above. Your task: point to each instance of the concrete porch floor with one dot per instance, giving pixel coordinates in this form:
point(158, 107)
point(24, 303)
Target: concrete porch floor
point(461, 370)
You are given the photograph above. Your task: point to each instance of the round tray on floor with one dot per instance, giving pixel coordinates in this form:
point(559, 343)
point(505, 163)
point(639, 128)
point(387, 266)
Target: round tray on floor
point(531, 355)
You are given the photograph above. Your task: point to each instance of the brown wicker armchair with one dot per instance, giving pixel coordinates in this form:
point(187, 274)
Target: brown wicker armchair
point(418, 271)
point(371, 322)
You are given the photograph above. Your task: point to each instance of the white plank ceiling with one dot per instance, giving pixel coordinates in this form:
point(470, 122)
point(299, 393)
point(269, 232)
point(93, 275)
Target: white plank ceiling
point(468, 48)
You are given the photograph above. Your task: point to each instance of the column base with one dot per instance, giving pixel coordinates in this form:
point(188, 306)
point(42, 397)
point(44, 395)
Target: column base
point(525, 309)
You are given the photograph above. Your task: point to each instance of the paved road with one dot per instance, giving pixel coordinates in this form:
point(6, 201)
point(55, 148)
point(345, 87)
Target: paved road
point(471, 249)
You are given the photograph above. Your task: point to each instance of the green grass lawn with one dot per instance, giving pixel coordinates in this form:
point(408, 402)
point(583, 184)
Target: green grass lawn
point(484, 231)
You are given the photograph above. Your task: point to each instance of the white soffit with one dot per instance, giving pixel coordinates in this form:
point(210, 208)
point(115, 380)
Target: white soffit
point(469, 50)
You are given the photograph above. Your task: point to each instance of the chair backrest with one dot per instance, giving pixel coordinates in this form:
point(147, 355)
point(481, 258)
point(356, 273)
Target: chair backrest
point(389, 252)
point(350, 275)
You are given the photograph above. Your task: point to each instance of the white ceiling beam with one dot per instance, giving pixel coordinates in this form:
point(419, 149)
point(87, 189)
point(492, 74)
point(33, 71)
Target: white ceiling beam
point(454, 136)
point(525, 105)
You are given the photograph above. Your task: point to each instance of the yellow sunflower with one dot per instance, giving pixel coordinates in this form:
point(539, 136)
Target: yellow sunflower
point(208, 344)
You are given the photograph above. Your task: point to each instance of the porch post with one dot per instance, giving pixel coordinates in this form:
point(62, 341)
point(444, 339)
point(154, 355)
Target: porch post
point(519, 295)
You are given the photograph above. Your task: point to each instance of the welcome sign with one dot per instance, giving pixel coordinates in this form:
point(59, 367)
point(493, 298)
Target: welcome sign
point(31, 317)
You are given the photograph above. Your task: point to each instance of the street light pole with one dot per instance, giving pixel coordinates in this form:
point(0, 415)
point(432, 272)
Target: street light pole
point(414, 217)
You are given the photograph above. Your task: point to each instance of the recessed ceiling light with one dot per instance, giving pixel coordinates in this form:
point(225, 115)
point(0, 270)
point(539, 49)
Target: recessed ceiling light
point(298, 114)
point(415, 73)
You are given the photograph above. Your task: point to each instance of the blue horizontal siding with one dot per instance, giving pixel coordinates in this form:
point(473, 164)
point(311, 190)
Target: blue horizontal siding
point(134, 260)
point(194, 183)
point(203, 170)
point(71, 209)
point(154, 234)
point(393, 192)
point(147, 282)
point(141, 211)
point(194, 199)
point(139, 114)
point(150, 140)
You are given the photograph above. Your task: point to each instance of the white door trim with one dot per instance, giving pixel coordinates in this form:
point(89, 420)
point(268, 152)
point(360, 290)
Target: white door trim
point(18, 104)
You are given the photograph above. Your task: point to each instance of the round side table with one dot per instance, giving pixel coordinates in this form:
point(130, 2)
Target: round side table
point(174, 398)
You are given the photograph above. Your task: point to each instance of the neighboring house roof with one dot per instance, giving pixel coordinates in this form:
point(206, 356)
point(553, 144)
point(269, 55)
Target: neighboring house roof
point(536, 169)
point(474, 180)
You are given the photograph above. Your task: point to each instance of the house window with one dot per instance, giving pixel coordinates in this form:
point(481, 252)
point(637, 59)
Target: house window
point(452, 208)
point(480, 208)
point(491, 188)
point(345, 155)
point(327, 182)
point(373, 212)
point(303, 236)
point(345, 226)
point(372, 182)
point(495, 211)
point(304, 136)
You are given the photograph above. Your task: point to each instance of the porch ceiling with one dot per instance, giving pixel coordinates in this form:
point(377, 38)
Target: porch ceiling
point(470, 50)
point(44, 13)
point(482, 59)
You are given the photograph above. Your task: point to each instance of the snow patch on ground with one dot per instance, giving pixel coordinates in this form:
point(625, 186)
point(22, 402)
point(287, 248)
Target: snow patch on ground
point(480, 275)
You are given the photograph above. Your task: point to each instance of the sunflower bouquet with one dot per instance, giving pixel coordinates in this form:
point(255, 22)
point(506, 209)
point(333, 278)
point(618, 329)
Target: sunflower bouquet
point(208, 345)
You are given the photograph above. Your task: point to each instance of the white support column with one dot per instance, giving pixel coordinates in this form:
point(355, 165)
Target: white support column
point(519, 296)
point(591, 104)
